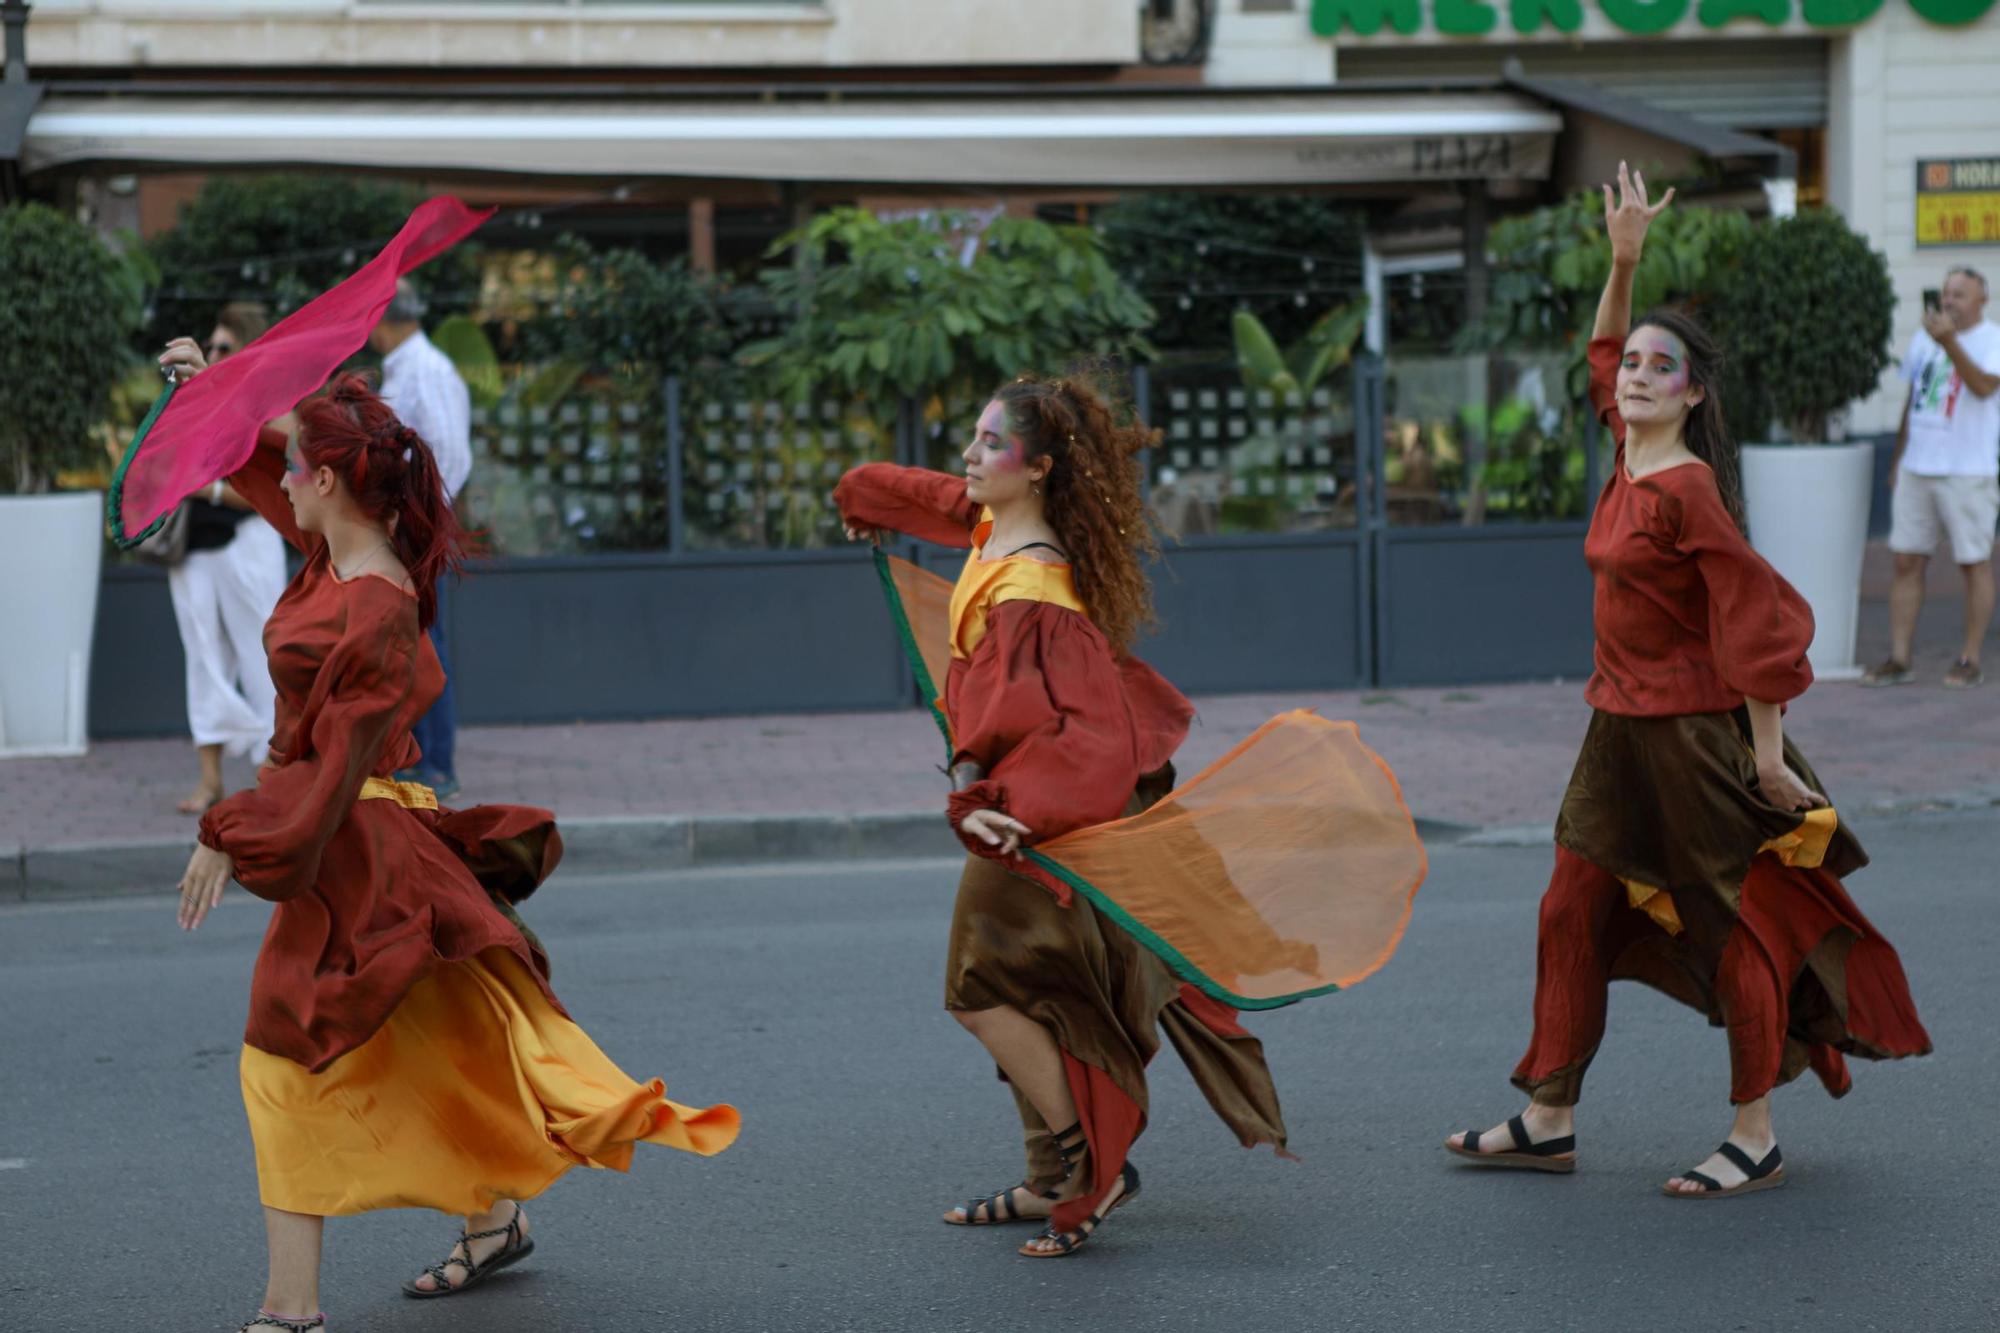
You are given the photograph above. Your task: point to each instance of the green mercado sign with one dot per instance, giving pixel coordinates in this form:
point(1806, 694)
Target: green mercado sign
point(1473, 18)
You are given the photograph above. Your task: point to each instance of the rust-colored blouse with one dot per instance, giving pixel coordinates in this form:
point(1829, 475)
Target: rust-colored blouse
point(1062, 727)
point(1689, 619)
point(370, 893)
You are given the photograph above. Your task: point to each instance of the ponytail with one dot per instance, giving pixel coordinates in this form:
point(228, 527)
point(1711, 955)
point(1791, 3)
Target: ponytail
point(393, 477)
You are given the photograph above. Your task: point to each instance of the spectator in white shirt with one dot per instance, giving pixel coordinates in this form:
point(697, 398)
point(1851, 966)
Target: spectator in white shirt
point(423, 387)
point(1947, 473)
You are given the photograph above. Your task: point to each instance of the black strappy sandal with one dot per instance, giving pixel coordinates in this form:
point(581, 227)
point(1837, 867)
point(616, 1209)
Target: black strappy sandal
point(986, 1212)
point(265, 1319)
point(1765, 1175)
point(1069, 1242)
point(517, 1248)
point(1525, 1155)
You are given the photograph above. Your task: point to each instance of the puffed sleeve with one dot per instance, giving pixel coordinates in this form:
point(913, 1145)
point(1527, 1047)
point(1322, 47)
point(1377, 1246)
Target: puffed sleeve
point(261, 482)
point(1604, 355)
point(1041, 709)
point(276, 831)
point(1759, 627)
point(915, 501)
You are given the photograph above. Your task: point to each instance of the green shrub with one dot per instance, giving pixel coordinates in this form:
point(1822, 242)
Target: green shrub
point(1806, 318)
point(68, 306)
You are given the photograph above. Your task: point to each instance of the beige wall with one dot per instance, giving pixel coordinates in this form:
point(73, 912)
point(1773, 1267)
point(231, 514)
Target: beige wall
point(835, 34)
point(1904, 89)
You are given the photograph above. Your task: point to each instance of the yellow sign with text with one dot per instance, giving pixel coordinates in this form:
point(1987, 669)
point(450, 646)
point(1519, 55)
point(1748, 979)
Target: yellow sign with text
point(1959, 219)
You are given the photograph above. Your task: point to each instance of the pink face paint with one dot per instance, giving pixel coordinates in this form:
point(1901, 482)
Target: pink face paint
point(1662, 357)
point(1004, 452)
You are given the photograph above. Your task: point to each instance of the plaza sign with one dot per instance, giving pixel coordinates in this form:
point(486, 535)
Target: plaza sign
point(1473, 18)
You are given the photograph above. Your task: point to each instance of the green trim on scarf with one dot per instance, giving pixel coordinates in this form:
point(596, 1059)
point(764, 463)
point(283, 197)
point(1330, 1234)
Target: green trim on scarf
point(1166, 952)
point(910, 649)
point(114, 499)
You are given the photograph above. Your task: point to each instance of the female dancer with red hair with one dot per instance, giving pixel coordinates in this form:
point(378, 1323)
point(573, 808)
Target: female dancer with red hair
point(1694, 850)
point(403, 1046)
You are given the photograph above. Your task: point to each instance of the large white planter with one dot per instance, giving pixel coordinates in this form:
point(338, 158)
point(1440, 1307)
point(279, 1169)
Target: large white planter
point(1808, 511)
point(52, 547)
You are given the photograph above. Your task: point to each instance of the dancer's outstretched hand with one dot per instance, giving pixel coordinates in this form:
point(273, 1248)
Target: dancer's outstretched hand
point(861, 532)
point(1628, 217)
point(995, 830)
point(208, 872)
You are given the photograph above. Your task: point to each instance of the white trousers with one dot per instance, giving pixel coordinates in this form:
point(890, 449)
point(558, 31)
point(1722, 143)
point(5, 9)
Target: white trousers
point(221, 600)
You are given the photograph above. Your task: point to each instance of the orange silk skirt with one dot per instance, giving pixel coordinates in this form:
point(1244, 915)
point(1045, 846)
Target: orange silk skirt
point(474, 1090)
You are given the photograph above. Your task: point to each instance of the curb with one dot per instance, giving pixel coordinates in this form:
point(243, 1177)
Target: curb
point(602, 845)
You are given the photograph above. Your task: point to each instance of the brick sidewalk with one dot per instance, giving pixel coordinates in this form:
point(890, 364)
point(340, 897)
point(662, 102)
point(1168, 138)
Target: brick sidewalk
point(1482, 755)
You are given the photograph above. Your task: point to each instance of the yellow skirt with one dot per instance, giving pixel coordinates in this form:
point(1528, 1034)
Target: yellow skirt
point(474, 1090)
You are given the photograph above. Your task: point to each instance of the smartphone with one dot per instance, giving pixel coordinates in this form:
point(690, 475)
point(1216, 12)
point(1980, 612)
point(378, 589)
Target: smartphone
point(1933, 300)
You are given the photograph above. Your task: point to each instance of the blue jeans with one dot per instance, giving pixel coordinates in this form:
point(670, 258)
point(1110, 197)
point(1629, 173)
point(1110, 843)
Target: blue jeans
point(436, 731)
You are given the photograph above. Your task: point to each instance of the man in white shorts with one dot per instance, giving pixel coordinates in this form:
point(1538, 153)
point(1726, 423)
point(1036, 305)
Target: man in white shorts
point(1947, 473)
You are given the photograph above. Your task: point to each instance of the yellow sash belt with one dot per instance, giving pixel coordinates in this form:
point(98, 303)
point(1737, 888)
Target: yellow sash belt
point(409, 795)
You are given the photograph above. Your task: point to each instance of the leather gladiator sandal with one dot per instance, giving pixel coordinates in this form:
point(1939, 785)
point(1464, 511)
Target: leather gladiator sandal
point(517, 1248)
point(1555, 1155)
point(1069, 1242)
point(265, 1319)
point(986, 1212)
point(1765, 1175)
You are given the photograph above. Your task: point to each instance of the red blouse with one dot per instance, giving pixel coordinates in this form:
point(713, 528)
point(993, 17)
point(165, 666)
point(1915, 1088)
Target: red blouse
point(370, 894)
point(1689, 619)
point(1062, 727)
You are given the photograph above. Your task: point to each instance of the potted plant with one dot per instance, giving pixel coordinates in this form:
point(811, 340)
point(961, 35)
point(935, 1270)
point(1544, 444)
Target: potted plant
point(1806, 315)
point(69, 306)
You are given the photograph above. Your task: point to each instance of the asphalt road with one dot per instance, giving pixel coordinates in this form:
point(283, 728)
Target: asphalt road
point(808, 995)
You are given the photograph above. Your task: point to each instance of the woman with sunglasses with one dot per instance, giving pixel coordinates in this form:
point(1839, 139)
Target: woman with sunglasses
point(403, 1047)
point(223, 590)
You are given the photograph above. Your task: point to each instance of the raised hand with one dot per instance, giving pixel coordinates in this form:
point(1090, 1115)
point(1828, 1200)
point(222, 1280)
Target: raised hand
point(1627, 218)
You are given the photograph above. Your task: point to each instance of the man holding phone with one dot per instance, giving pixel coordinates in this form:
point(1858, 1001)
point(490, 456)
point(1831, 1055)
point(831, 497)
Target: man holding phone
point(1946, 472)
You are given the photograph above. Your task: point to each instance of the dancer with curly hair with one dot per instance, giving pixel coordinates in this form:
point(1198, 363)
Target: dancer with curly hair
point(1056, 727)
point(403, 1046)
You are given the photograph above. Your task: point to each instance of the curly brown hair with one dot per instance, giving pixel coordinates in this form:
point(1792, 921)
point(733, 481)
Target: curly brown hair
point(1091, 495)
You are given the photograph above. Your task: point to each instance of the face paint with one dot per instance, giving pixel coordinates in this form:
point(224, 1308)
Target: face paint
point(1665, 355)
point(296, 466)
point(1003, 452)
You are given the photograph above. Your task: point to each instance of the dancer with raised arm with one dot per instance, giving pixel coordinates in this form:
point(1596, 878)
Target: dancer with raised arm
point(1694, 850)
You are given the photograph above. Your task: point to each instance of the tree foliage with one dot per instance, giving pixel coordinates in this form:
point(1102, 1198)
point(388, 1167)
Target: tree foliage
point(1200, 258)
point(1807, 316)
point(1548, 267)
point(282, 240)
point(1297, 370)
point(68, 306)
point(922, 306)
point(617, 311)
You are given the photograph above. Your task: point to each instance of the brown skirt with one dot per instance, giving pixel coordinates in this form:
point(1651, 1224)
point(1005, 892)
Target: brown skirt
point(1674, 804)
point(1104, 998)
